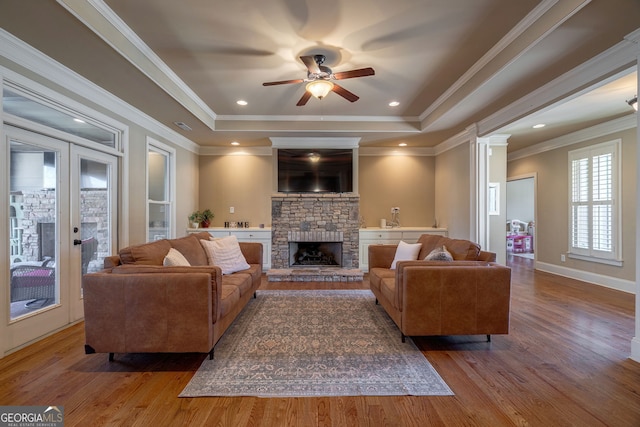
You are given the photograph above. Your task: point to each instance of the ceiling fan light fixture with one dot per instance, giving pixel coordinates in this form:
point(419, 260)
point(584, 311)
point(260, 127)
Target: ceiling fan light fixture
point(319, 88)
point(633, 102)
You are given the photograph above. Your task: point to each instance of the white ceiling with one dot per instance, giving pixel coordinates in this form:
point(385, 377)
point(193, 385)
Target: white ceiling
point(450, 63)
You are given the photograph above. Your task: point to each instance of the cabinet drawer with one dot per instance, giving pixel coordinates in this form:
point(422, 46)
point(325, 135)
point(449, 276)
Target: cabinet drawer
point(381, 235)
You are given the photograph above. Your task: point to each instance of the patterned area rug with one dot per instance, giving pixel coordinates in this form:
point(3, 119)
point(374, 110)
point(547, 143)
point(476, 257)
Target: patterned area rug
point(315, 343)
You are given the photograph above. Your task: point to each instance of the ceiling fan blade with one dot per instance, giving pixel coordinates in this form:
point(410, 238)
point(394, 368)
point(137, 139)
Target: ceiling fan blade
point(349, 96)
point(282, 82)
point(362, 72)
point(305, 97)
point(311, 64)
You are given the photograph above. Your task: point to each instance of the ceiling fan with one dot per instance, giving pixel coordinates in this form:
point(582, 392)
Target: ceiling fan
point(320, 80)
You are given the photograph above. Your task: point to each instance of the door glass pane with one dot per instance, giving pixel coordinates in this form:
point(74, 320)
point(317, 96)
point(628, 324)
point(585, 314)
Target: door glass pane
point(33, 227)
point(95, 214)
point(20, 105)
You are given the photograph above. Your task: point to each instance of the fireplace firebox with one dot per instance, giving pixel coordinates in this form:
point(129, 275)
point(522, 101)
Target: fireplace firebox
point(304, 254)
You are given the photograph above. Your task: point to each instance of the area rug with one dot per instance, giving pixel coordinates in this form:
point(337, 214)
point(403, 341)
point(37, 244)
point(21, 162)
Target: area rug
point(315, 343)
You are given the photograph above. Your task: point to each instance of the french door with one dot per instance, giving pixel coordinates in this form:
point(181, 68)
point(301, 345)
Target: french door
point(62, 199)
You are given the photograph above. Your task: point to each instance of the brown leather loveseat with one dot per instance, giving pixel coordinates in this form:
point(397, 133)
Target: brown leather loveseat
point(467, 296)
point(137, 305)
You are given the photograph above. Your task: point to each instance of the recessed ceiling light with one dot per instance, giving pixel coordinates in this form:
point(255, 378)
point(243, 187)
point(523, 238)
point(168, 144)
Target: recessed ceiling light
point(402, 144)
point(394, 104)
point(241, 102)
point(539, 125)
point(235, 143)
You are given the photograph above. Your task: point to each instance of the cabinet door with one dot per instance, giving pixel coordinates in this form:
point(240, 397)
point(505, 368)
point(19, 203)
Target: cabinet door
point(263, 237)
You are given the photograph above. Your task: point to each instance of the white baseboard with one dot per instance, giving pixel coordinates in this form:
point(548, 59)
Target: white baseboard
point(585, 276)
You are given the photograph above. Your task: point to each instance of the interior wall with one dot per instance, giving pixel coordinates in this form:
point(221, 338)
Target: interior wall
point(244, 182)
point(452, 191)
point(552, 227)
point(407, 182)
point(520, 200)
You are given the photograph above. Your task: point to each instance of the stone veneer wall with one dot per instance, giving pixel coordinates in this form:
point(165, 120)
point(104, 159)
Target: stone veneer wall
point(315, 212)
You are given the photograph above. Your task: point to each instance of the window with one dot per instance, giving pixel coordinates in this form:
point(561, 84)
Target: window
point(594, 211)
point(160, 191)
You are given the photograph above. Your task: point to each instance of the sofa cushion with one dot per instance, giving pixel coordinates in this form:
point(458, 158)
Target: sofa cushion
point(377, 274)
point(439, 254)
point(225, 253)
point(242, 281)
point(388, 290)
point(460, 249)
point(152, 253)
point(175, 259)
point(190, 247)
point(229, 298)
point(406, 252)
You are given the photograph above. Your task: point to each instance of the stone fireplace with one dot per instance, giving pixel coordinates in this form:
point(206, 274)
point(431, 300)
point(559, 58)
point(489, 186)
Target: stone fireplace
point(315, 237)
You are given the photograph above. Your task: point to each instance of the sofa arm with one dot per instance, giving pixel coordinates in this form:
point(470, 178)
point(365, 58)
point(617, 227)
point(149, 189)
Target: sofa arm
point(381, 256)
point(487, 256)
point(252, 252)
point(142, 312)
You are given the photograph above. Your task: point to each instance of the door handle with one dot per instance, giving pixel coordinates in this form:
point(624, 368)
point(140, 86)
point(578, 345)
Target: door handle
point(77, 242)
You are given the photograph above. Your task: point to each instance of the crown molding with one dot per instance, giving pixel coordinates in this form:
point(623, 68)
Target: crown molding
point(311, 142)
point(597, 131)
point(94, 14)
point(236, 151)
point(526, 25)
point(597, 71)
point(397, 151)
point(323, 118)
point(24, 55)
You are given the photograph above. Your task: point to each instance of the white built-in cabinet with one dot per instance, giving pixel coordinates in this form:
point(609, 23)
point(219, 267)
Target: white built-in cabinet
point(368, 236)
point(381, 236)
point(253, 234)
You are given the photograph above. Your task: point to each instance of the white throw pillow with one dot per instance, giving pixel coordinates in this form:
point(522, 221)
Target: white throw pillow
point(225, 253)
point(174, 258)
point(406, 252)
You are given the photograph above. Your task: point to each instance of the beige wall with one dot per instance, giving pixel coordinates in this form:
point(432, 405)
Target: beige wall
point(246, 183)
point(407, 182)
point(241, 181)
point(553, 209)
point(452, 191)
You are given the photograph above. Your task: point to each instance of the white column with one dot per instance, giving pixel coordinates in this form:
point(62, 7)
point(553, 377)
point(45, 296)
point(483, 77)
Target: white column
point(635, 342)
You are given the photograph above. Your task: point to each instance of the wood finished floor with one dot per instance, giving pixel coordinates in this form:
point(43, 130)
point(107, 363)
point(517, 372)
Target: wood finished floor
point(565, 363)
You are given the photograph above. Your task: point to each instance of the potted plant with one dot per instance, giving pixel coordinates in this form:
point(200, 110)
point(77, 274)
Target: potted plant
point(205, 218)
point(195, 218)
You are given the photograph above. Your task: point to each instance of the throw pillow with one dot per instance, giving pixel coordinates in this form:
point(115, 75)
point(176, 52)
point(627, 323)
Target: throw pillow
point(175, 259)
point(225, 253)
point(406, 252)
point(439, 254)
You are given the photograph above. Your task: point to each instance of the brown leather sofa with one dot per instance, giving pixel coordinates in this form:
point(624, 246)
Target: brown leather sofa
point(467, 296)
point(137, 305)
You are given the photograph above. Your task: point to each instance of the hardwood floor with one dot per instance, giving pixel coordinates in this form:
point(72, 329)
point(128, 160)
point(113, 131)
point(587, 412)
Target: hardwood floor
point(564, 363)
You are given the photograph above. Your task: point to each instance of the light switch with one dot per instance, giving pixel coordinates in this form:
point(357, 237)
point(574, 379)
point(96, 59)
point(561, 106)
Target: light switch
point(232, 209)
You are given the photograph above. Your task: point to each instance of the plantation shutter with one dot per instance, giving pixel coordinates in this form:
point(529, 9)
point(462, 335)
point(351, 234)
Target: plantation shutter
point(593, 208)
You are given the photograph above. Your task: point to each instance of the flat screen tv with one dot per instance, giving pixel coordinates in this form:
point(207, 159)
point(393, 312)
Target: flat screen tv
point(315, 170)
